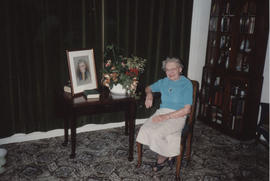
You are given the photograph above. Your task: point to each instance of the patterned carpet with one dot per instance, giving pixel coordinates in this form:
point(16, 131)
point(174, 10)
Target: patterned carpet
point(102, 155)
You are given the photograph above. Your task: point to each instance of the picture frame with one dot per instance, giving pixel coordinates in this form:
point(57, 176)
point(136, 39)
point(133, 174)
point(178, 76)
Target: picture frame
point(82, 70)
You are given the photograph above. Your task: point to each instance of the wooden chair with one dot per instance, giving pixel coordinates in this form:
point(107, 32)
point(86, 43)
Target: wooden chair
point(186, 137)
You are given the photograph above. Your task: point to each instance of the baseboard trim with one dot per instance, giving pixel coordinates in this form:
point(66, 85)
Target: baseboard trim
point(21, 137)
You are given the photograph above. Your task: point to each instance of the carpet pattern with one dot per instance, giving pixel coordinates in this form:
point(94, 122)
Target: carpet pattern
point(102, 156)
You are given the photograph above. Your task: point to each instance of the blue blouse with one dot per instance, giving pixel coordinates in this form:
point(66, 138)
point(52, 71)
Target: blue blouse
point(174, 94)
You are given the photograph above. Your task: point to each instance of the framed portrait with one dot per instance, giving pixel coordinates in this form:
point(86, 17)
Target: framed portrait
point(82, 70)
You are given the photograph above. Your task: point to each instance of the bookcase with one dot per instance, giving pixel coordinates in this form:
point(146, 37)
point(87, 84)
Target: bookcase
point(233, 71)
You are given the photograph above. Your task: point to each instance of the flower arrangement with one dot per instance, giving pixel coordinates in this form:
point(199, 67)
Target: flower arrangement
point(119, 69)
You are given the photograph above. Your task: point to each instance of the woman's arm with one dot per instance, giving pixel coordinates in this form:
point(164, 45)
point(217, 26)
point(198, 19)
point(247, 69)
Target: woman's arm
point(173, 115)
point(180, 113)
point(149, 97)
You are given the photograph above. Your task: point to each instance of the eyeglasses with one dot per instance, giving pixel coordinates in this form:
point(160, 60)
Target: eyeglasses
point(171, 70)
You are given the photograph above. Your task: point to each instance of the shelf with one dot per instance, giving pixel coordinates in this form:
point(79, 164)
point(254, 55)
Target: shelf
point(247, 15)
point(225, 33)
point(215, 69)
point(232, 75)
point(228, 15)
point(224, 49)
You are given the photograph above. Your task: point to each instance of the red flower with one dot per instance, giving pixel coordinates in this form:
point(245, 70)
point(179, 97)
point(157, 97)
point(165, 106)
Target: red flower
point(135, 71)
point(132, 72)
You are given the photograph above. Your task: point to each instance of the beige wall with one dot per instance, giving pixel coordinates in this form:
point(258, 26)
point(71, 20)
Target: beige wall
point(198, 40)
point(265, 89)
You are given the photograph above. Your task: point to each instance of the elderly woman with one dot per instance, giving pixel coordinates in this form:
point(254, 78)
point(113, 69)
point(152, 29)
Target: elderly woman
point(83, 74)
point(162, 131)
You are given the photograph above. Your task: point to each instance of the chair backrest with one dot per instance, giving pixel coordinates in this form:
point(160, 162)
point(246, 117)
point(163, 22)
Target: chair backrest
point(192, 113)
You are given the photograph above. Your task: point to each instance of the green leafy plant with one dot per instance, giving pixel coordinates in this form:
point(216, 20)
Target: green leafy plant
point(119, 69)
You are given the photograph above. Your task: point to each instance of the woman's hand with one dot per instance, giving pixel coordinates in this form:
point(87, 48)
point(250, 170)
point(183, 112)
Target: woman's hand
point(159, 118)
point(173, 115)
point(149, 100)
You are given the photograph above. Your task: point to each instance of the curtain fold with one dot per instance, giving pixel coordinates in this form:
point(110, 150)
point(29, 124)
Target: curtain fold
point(150, 40)
point(159, 37)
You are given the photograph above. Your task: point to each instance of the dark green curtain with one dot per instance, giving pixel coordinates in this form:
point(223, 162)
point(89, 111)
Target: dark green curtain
point(35, 34)
point(154, 29)
point(34, 37)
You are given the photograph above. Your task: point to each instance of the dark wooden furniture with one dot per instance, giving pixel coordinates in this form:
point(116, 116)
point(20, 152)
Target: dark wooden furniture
point(187, 134)
point(232, 75)
point(74, 107)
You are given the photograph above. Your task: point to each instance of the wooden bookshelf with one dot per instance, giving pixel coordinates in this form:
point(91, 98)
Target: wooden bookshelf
point(232, 75)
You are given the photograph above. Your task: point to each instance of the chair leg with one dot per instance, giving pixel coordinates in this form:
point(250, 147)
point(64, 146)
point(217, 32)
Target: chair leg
point(139, 150)
point(179, 162)
point(188, 148)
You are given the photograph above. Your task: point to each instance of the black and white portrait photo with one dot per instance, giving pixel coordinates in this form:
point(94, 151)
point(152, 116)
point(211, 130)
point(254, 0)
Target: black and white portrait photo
point(82, 70)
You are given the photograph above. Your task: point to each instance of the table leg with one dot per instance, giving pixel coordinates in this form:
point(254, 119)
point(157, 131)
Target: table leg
point(127, 117)
point(131, 127)
point(73, 136)
point(66, 127)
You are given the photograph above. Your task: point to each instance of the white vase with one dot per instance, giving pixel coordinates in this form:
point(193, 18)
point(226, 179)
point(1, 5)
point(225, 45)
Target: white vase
point(3, 153)
point(118, 90)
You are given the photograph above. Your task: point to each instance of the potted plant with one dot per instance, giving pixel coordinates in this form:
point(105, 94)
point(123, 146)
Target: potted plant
point(120, 73)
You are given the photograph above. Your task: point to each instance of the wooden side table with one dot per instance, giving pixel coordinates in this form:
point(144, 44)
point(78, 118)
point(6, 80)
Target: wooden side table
point(74, 107)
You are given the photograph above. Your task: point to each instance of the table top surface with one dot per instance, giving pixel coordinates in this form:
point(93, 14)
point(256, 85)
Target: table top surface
point(105, 98)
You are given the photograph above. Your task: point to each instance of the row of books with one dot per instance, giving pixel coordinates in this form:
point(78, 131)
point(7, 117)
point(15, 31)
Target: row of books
point(237, 106)
point(88, 94)
point(224, 24)
point(247, 24)
point(215, 9)
point(242, 63)
point(215, 114)
point(216, 99)
point(236, 123)
point(225, 41)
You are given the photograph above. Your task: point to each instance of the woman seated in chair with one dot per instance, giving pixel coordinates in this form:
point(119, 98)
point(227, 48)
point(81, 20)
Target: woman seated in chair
point(162, 131)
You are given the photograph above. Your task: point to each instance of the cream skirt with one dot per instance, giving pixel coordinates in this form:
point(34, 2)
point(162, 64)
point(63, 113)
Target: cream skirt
point(162, 137)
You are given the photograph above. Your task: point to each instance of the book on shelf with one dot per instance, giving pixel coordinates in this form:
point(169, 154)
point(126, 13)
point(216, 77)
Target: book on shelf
point(219, 121)
point(233, 122)
point(93, 93)
point(236, 122)
point(218, 98)
point(240, 107)
point(237, 106)
point(205, 109)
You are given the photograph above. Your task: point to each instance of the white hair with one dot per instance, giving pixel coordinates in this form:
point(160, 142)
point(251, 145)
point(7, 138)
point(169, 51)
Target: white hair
point(175, 60)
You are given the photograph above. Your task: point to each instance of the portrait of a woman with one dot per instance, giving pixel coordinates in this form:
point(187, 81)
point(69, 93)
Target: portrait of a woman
point(162, 131)
point(83, 74)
